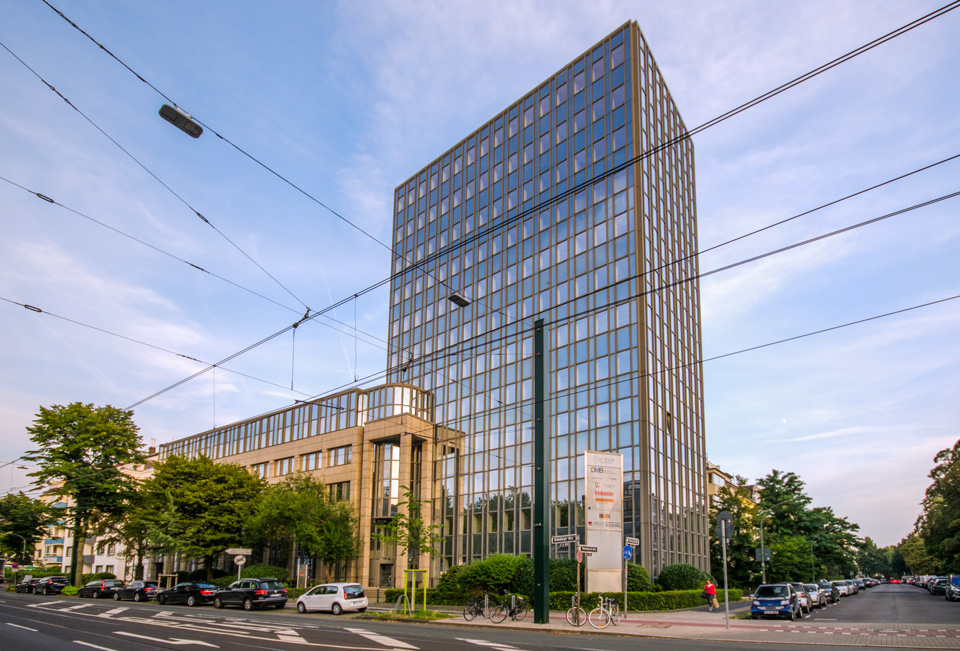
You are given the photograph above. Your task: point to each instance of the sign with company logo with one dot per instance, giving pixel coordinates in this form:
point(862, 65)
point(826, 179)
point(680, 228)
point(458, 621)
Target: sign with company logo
point(604, 482)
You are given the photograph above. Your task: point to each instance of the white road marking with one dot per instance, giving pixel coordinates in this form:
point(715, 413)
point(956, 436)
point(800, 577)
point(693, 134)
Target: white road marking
point(26, 628)
point(492, 645)
point(93, 646)
point(44, 604)
point(111, 613)
point(381, 639)
point(174, 641)
point(66, 610)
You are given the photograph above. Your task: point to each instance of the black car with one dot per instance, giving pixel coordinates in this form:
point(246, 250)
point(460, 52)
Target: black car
point(192, 594)
point(252, 593)
point(832, 591)
point(100, 589)
point(137, 590)
point(26, 585)
point(51, 585)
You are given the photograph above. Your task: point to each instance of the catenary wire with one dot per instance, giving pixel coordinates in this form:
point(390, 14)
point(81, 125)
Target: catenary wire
point(634, 160)
point(154, 176)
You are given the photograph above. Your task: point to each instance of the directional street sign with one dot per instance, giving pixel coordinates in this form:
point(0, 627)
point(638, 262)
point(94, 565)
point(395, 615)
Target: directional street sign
point(588, 548)
point(633, 542)
point(627, 552)
point(563, 540)
point(724, 525)
point(233, 551)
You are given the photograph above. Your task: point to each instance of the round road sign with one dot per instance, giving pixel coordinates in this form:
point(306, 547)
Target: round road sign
point(239, 560)
point(579, 555)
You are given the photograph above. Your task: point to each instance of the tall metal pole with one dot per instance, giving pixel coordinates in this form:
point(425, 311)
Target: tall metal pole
point(726, 594)
point(541, 486)
point(763, 552)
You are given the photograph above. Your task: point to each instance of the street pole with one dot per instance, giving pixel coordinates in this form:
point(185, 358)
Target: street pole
point(726, 594)
point(763, 553)
point(541, 486)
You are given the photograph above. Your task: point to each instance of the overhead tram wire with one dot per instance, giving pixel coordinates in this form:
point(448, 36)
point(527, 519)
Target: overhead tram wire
point(246, 153)
point(155, 177)
point(38, 310)
point(636, 159)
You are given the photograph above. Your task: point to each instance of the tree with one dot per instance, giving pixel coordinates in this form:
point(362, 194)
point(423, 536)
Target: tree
point(913, 548)
point(872, 560)
point(24, 520)
point(200, 507)
point(741, 560)
point(81, 450)
point(299, 513)
point(408, 530)
point(131, 531)
point(782, 497)
point(939, 524)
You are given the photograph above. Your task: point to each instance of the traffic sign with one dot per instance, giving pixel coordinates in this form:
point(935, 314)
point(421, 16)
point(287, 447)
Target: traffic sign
point(724, 525)
point(563, 540)
point(233, 551)
point(240, 560)
point(579, 556)
point(627, 552)
point(633, 542)
point(588, 548)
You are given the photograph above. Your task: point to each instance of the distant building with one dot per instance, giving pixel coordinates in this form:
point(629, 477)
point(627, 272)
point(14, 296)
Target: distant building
point(717, 479)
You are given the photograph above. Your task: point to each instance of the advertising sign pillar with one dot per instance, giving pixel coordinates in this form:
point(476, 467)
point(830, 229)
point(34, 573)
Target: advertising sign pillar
point(604, 518)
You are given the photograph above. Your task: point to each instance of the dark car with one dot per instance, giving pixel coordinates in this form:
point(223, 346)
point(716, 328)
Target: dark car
point(137, 590)
point(952, 592)
point(252, 593)
point(831, 590)
point(192, 594)
point(51, 585)
point(776, 600)
point(26, 585)
point(939, 586)
point(100, 589)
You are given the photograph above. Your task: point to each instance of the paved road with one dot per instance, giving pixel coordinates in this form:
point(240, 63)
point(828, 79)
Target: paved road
point(891, 604)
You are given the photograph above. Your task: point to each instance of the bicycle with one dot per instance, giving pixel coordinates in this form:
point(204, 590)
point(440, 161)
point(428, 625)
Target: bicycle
point(516, 607)
point(475, 607)
point(576, 616)
point(608, 611)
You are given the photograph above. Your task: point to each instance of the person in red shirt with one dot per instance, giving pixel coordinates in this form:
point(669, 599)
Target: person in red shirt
point(710, 594)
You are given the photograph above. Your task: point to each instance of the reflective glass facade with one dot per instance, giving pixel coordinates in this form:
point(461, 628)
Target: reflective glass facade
point(550, 211)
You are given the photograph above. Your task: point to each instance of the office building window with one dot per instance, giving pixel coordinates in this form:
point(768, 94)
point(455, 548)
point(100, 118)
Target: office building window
point(284, 466)
point(261, 470)
point(340, 491)
point(310, 461)
point(340, 456)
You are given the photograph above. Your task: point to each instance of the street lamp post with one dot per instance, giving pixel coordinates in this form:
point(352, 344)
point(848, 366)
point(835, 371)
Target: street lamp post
point(763, 553)
point(23, 551)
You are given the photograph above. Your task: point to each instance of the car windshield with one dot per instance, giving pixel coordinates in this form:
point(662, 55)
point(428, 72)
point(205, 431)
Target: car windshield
point(353, 591)
point(206, 586)
point(810, 586)
point(271, 585)
point(772, 591)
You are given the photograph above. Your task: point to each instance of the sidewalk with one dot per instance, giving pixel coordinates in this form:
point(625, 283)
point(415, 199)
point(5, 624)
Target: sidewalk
point(699, 624)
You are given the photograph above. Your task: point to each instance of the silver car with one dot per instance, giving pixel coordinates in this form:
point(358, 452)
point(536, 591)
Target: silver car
point(818, 598)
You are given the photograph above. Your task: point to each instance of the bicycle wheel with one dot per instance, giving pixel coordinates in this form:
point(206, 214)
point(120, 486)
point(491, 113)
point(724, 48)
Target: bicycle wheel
point(522, 609)
point(499, 614)
point(599, 618)
point(576, 617)
point(469, 612)
point(615, 616)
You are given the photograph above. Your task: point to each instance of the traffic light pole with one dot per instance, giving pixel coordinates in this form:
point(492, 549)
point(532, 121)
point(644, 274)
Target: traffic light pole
point(541, 486)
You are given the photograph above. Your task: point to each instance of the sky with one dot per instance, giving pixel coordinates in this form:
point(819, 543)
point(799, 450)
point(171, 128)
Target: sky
point(322, 108)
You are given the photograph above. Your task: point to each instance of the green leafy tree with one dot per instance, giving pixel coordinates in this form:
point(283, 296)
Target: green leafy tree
point(200, 507)
point(939, 524)
point(742, 566)
point(300, 514)
point(23, 522)
point(131, 531)
point(913, 548)
point(872, 560)
point(409, 532)
point(81, 450)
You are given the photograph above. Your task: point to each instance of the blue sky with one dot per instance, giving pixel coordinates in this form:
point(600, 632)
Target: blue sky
point(347, 99)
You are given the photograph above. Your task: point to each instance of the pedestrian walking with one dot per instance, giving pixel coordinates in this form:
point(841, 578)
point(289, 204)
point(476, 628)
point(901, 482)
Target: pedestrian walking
point(710, 594)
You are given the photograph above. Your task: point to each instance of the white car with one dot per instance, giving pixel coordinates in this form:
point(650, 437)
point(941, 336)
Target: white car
point(842, 587)
point(335, 597)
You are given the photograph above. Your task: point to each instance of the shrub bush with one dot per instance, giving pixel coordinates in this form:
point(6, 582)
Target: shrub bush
point(638, 579)
point(681, 576)
point(494, 573)
point(448, 589)
point(86, 578)
point(264, 571)
point(71, 590)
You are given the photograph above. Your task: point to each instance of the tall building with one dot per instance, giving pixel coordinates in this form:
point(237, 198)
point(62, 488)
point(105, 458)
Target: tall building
point(556, 209)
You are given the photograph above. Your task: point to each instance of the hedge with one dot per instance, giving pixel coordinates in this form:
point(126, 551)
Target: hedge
point(560, 600)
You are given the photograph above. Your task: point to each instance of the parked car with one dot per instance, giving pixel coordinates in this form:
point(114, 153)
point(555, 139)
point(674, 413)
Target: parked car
point(252, 593)
point(138, 591)
point(831, 591)
point(818, 598)
point(939, 586)
point(852, 587)
point(335, 597)
point(842, 587)
point(952, 592)
point(804, 598)
point(26, 585)
point(51, 585)
point(100, 589)
point(861, 584)
point(775, 600)
point(191, 593)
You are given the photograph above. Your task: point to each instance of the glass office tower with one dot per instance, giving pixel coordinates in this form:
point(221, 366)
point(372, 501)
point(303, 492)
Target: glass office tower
point(576, 205)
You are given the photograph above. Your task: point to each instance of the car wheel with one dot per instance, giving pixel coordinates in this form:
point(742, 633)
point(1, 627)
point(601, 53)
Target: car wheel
point(45, 591)
point(161, 599)
point(217, 602)
point(248, 604)
point(191, 601)
point(281, 605)
point(96, 594)
point(137, 597)
point(301, 608)
point(336, 609)
point(361, 610)
point(754, 616)
point(116, 596)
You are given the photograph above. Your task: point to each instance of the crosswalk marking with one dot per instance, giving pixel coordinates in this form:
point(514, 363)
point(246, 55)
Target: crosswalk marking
point(380, 639)
point(492, 645)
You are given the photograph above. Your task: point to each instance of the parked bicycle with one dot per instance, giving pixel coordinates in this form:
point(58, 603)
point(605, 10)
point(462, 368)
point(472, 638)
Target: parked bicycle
point(474, 607)
point(514, 606)
point(608, 611)
point(576, 616)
